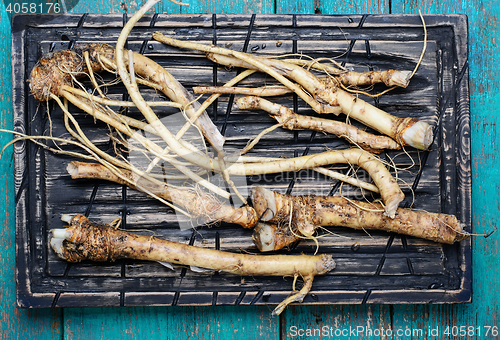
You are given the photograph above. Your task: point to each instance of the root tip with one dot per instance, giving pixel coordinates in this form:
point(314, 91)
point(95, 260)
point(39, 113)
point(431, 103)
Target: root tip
point(264, 203)
point(263, 237)
point(401, 79)
point(418, 135)
point(72, 169)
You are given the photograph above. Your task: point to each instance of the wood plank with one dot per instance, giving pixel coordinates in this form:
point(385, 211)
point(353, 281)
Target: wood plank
point(484, 310)
point(159, 323)
point(484, 95)
point(14, 322)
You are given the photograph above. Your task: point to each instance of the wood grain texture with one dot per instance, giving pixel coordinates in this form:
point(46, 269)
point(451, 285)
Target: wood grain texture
point(14, 322)
point(229, 322)
point(103, 283)
point(332, 7)
point(484, 30)
point(244, 322)
point(484, 310)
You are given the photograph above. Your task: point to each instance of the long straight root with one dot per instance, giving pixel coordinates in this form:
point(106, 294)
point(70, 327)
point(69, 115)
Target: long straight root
point(84, 240)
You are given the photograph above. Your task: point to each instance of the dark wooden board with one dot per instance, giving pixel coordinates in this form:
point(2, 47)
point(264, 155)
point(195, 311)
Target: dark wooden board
point(376, 267)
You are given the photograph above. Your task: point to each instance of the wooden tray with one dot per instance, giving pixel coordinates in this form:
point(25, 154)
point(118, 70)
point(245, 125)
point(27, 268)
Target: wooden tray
point(371, 268)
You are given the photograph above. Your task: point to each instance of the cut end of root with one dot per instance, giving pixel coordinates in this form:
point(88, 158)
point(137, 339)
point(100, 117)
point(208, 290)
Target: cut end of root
point(400, 78)
point(264, 203)
point(72, 170)
point(57, 240)
point(57, 245)
point(61, 234)
point(419, 135)
point(67, 218)
point(463, 235)
point(263, 237)
point(328, 264)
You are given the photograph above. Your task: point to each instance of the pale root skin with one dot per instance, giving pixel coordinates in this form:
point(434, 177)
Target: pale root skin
point(176, 92)
point(389, 189)
point(394, 127)
point(84, 240)
point(306, 213)
point(388, 77)
point(198, 203)
point(271, 237)
point(293, 121)
point(348, 78)
point(326, 93)
point(351, 78)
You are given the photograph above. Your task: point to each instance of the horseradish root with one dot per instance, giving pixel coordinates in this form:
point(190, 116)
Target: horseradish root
point(326, 94)
point(293, 121)
point(54, 70)
point(83, 240)
point(197, 202)
point(388, 188)
point(309, 212)
point(352, 78)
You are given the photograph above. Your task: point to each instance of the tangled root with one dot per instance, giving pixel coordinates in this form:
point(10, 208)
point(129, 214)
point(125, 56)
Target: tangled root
point(54, 70)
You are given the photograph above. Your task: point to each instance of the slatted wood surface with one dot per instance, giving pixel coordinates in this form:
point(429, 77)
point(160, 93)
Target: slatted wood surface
point(392, 268)
point(224, 322)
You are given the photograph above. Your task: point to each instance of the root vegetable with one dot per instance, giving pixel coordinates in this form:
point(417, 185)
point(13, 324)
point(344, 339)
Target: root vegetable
point(195, 157)
point(348, 78)
point(267, 91)
point(55, 72)
point(309, 212)
point(406, 131)
point(388, 188)
point(292, 121)
point(197, 202)
point(84, 240)
point(351, 78)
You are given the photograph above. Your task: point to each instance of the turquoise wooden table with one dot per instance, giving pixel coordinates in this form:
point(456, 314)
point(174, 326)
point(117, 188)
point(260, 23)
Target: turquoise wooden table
point(256, 322)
